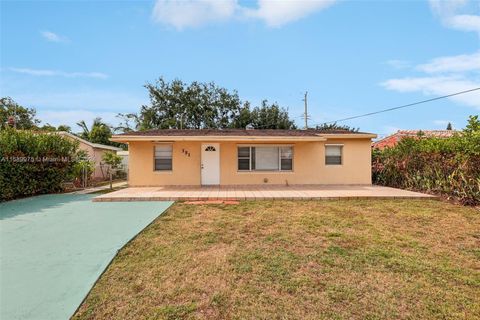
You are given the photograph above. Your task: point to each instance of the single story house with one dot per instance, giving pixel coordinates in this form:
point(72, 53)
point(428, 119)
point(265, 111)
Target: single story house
point(95, 153)
point(247, 157)
point(392, 140)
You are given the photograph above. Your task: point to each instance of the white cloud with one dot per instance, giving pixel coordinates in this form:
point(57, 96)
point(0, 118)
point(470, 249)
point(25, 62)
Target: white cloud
point(278, 13)
point(53, 37)
point(438, 86)
point(192, 13)
point(182, 14)
point(57, 73)
point(444, 8)
point(466, 22)
point(449, 14)
point(460, 63)
point(447, 75)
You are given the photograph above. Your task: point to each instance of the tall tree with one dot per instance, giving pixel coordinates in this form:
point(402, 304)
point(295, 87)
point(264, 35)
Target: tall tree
point(64, 127)
point(10, 112)
point(200, 105)
point(449, 126)
point(335, 126)
point(271, 116)
point(47, 127)
point(473, 125)
point(99, 132)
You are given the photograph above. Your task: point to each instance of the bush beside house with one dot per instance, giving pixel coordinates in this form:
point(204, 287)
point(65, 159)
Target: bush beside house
point(449, 167)
point(34, 163)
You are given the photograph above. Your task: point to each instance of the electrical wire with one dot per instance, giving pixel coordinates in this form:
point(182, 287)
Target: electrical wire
point(402, 106)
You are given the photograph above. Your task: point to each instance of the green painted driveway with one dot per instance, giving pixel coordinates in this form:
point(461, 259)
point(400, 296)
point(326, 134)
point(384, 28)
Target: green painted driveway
point(54, 247)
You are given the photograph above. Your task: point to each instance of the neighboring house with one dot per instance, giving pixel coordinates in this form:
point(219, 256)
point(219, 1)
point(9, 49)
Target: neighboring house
point(393, 139)
point(95, 152)
point(247, 157)
point(124, 155)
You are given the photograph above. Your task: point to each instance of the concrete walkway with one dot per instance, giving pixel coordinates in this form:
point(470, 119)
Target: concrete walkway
point(101, 188)
point(297, 192)
point(54, 247)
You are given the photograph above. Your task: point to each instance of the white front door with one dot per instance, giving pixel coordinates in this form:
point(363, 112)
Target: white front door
point(210, 163)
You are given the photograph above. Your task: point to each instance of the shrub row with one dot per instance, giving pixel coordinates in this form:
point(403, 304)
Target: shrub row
point(448, 167)
point(34, 163)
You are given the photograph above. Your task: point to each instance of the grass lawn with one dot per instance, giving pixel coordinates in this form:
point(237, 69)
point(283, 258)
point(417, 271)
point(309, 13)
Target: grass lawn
point(365, 259)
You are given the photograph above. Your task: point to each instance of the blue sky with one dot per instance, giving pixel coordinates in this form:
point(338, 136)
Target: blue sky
point(75, 60)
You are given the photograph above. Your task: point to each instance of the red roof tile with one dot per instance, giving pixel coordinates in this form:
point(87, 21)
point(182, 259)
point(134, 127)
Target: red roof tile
point(393, 139)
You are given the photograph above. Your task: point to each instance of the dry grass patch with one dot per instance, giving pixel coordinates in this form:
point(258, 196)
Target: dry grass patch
point(365, 259)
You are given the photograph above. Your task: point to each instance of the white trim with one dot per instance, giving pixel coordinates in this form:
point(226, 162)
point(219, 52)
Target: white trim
point(154, 158)
point(341, 155)
point(279, 158)
point(212, 176)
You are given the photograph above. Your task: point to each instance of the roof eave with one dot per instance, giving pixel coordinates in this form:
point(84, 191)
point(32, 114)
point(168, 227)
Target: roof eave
point(216, 138)
point(105, 147)
point(349, 135)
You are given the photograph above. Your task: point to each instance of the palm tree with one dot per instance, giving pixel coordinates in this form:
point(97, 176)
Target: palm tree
point(99, 132)
point(85, 131)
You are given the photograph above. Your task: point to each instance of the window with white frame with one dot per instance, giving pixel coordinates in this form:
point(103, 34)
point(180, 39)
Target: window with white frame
point(333, 154)
point(163, 157)
point(265, 158)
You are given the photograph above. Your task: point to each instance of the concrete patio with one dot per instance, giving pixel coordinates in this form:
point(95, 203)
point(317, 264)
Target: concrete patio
point(271, 192)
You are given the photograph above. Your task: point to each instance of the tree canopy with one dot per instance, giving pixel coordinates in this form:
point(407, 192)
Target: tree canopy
point(335, 126)
point(11, 111)
point(200, 105)
point(14, 115)
point(99, 132)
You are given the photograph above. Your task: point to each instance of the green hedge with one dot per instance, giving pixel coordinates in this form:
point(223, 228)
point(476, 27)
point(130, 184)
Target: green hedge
point(448, 167)
point(34, 163)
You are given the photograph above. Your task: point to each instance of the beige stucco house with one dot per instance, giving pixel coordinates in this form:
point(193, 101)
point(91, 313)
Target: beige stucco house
point(241, 157)
point(95, 153)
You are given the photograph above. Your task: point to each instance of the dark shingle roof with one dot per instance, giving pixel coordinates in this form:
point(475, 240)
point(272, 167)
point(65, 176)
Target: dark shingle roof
point(237, 132)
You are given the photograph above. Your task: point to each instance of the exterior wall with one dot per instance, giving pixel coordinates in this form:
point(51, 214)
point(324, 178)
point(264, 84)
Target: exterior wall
point(100, 172)
point(95, 155)
point(308, 164)
point(186, 170)
point(124, 155)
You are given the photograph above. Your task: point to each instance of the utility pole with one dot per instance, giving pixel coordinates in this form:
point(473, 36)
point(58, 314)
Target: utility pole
point(305, 115)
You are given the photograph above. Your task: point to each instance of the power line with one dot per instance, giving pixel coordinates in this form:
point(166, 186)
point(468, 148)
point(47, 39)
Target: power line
point(402, 106)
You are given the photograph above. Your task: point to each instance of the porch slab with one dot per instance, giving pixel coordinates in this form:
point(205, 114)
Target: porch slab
point(258, 192)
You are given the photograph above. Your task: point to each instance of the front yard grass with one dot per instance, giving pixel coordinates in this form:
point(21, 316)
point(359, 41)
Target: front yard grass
point(352, 259)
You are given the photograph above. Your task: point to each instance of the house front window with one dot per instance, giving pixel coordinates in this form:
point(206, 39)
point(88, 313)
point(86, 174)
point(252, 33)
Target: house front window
point(163, 157)
point(333, 154)
point(265, 158)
